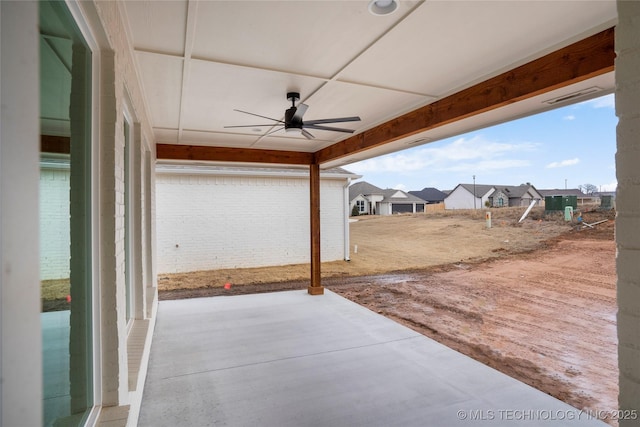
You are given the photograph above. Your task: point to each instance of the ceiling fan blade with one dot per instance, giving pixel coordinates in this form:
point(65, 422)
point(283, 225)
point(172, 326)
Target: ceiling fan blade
point(336, 120)
point(307, 134)
point(328, 128)
point(249, 126)
point(273, 131)
point(300, 110)
point(258, 115)
point(267, 134)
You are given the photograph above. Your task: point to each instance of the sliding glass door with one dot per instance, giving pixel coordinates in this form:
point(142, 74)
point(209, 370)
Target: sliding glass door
point(65, 217)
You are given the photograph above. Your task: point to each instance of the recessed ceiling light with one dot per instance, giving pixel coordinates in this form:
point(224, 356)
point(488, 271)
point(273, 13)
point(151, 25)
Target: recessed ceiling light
point(383, 7)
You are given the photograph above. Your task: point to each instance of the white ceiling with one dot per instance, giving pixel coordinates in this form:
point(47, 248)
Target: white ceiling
point(200, 60)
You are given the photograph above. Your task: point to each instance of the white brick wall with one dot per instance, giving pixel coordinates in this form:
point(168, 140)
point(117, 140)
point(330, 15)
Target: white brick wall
point(119, 86)
point(210, 222)
point(628, 204)
point(54, 224)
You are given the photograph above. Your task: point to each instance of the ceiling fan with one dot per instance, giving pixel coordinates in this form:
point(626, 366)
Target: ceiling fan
point(293, 120)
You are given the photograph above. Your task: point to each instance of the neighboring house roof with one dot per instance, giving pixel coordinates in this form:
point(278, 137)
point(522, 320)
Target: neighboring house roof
point(389, 195)
point(480, 189)
point(512, 191)
point(363, 188)
point(398, 196)
point(430, 194)
point(605, 193)
point(515, 191)
point(566, 192)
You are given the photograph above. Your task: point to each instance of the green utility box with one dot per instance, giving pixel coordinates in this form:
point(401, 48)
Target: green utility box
point(559, 203)
point(606, 202)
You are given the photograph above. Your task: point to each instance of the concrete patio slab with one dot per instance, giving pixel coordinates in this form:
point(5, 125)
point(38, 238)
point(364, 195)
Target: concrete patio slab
point(291, 359)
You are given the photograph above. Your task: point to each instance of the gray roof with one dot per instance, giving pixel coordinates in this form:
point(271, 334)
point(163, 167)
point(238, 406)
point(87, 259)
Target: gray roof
point(366, 189)
point(389, 192)
point(480, 189)
point(515, 191)
point(565, 192)
point(430, 194)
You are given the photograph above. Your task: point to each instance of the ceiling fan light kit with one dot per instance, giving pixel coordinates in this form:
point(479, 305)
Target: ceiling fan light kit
point(383, 7)
point(293, 122)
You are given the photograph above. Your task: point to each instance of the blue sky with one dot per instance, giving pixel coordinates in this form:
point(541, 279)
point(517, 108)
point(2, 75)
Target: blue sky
point(576, 143)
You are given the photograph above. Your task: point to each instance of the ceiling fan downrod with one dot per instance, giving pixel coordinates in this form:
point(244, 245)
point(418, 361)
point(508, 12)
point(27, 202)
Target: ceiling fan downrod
point(293, 97)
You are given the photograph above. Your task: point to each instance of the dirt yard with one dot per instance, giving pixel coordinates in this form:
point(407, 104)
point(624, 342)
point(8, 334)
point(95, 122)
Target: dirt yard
point(536, 301)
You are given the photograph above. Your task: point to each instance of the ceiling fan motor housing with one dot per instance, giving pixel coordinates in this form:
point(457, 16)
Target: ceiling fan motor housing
point(290, 121)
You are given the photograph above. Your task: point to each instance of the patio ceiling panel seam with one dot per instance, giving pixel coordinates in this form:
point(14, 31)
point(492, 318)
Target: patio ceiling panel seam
point(336, 76)
point(192, 11)
point(579, 61)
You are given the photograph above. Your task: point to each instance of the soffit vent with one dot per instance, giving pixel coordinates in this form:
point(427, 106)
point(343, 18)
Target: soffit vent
point(418, 141)
point(573, 95)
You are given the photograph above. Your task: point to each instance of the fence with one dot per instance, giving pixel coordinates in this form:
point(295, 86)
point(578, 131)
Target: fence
point(436, 207)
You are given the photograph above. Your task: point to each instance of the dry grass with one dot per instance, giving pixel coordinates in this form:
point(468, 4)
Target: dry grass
point(53, 294)
point(55, 289)
point(402, 242)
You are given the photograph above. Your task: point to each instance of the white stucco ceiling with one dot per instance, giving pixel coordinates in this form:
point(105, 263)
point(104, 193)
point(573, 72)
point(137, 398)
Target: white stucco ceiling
point(200, 60)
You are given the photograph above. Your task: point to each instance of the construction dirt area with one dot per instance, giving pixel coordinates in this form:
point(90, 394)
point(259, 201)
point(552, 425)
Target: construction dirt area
point(535, 300)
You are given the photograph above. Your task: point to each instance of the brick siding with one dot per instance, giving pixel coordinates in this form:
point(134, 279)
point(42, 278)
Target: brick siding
point(210, 222)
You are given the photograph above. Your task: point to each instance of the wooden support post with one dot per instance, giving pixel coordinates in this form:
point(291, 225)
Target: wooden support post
point(314, 191)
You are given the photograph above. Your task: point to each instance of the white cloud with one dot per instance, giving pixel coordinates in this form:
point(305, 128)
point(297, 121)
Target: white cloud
point(488, 165)
point(569, 117)
point(462, 154)
point(391, 163)
point(400, 187)
point(563, 163)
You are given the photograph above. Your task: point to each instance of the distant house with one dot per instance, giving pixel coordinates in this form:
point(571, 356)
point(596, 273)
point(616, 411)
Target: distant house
point(468, 196)
point(366, 197)
point(430, 195)
point(372, 200)
point(520, 195)
point(463, 196)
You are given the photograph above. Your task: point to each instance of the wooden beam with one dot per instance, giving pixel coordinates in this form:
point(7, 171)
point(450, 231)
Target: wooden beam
point(55, 144)
point(227, 154)
point(582, 60)
point(314, 191)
